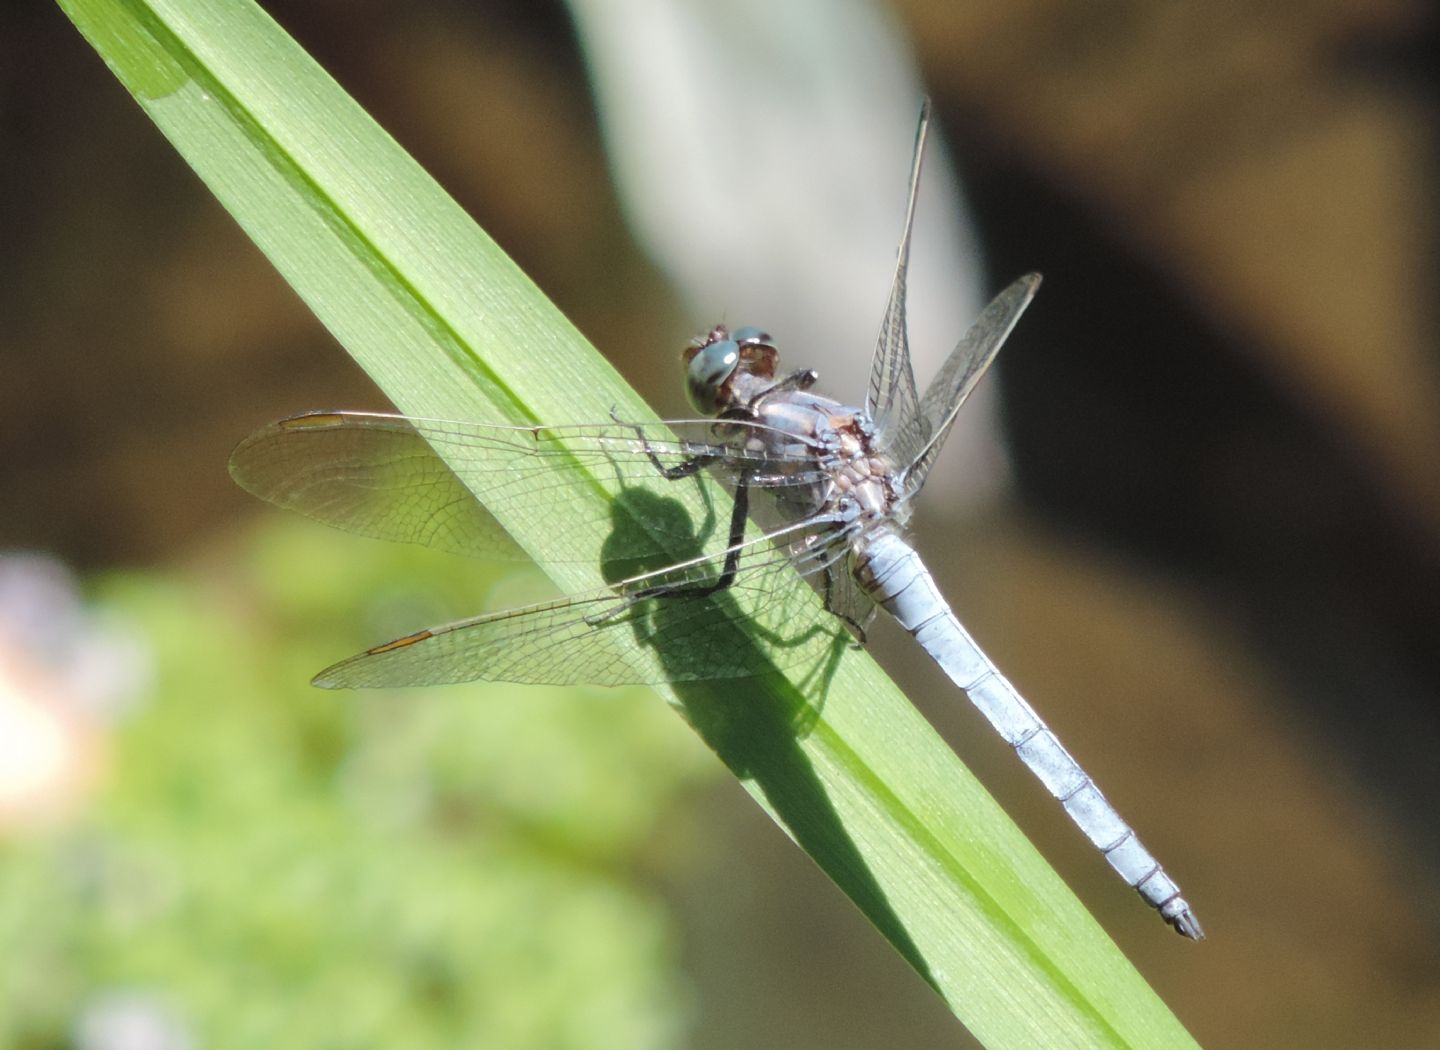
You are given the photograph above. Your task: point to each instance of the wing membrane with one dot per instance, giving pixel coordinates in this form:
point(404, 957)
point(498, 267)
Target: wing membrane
point(967, 363)
point(592, 638)
point(381, 476)
point(892, 400)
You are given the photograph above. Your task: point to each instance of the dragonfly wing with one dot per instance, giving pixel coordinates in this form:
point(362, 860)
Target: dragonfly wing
point(966, 364)
point(553, 643)
point(370, 475)
point(845, 598)
point(757, 624)
point(381, 475)
point(892, 400)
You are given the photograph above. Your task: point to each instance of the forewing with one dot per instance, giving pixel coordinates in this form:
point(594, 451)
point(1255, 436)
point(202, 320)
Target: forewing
point(371, 475)
point(970, 359)
point(381, 476)
point(892, 401)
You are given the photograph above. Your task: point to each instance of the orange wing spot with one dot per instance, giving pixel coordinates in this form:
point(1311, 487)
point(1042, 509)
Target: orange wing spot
point(313, 420)
point(400, 643)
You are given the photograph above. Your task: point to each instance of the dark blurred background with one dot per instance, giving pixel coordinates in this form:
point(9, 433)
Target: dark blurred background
point(1213, 561)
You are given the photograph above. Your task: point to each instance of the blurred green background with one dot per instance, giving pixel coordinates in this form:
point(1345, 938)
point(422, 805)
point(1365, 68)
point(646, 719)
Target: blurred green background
point(273, 867)
point(1210, 554)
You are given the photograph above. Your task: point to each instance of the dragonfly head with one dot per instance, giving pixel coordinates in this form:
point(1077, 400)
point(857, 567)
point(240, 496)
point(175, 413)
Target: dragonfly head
point(721, 365)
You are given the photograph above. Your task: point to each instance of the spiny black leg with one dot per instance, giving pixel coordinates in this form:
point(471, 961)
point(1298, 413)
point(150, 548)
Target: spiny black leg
point(684, 470)
point(738, 516)
point(732, 553)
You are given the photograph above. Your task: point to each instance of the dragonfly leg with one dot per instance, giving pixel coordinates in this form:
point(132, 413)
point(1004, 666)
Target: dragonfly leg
point(682, 470)
point(685, 469)
point(732, 553)
point(803, 379)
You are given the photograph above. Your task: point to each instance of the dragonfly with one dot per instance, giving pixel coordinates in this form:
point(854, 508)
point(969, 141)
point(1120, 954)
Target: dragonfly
point(818, 487)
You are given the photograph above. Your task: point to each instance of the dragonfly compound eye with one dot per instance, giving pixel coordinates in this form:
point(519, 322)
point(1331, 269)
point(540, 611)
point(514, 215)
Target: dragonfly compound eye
point(710, 368)
point(749, 335)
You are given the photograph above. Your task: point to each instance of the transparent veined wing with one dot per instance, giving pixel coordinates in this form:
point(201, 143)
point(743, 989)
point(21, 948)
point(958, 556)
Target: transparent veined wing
point(379, 475)
point(892, 401)
point(913, 429)
point(688, 621)
point(965, 366)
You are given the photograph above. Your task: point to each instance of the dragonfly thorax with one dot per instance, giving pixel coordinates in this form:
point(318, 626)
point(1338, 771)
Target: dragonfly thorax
point(734, 375)
point(857, 483)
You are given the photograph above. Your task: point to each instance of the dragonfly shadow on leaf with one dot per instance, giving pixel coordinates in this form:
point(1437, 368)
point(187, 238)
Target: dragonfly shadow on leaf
point(699, 630)
point(755, 718)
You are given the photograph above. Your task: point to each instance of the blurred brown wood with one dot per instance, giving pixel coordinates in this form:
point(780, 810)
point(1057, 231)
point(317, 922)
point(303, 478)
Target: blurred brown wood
point(1289, 194)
